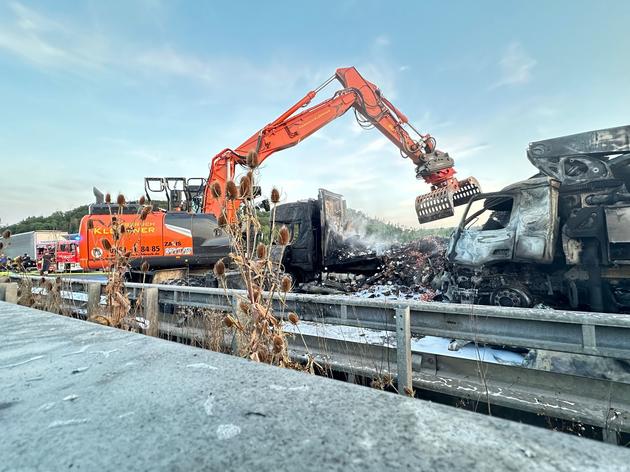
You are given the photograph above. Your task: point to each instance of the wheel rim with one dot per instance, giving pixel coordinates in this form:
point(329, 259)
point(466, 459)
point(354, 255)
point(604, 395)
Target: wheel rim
point(511, 297)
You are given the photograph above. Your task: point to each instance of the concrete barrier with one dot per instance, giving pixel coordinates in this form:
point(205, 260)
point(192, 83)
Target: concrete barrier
point(9, 292)
point(82, 396)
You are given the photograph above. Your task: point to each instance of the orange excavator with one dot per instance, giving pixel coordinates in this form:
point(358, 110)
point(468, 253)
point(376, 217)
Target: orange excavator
point(189, 235)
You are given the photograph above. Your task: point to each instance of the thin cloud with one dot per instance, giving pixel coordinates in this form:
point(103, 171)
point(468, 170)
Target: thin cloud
point(382, 41)
point(49, 44)
point(516, 66)
point(46, 43)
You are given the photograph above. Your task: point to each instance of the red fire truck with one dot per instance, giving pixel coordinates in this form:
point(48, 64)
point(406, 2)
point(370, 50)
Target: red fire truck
point(63, 256)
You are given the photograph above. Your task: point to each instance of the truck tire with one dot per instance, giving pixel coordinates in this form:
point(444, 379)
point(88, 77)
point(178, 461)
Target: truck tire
point(511, 297)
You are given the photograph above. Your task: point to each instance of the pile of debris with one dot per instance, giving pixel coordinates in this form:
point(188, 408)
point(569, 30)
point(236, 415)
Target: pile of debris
point(405, 271)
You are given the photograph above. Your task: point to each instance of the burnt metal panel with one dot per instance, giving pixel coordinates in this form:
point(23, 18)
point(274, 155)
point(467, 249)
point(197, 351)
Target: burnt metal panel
point(537, 223)
point(332, 209)
point(618, 224)
point(581, 157)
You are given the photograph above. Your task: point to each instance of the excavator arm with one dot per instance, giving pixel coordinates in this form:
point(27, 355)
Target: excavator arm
point(372, 109)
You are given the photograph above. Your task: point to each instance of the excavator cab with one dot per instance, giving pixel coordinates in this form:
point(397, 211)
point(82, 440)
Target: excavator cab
point(441, 201)
point(181, 194)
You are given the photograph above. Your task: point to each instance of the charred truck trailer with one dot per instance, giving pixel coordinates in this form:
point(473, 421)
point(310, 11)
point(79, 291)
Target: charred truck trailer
point(318, 243)
point(562, 237)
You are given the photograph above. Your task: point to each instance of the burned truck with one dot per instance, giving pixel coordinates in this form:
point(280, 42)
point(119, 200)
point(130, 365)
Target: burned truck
point(560, 238)
point(321, 239)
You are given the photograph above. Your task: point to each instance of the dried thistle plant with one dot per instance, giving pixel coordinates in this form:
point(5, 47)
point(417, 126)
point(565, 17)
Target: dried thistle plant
point(119, 311)
point(255, 320)
point(48, 297)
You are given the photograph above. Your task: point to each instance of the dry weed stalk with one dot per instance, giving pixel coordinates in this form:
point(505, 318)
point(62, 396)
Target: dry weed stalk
point(48, 297)
point(254, 321)
point(119, 311)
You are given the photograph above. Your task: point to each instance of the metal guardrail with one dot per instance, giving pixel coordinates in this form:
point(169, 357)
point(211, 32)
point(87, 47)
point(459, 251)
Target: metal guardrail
point(599, 334)
point(596, 401)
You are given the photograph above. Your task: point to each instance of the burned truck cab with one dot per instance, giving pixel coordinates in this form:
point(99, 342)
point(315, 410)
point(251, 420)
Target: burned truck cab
point(498, 232)
point(518, 224)
point(561, 237)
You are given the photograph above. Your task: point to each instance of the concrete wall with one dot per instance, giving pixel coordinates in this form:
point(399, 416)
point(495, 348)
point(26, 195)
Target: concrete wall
point(80, 396)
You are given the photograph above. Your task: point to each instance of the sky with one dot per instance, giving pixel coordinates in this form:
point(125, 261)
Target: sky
point(103, 94)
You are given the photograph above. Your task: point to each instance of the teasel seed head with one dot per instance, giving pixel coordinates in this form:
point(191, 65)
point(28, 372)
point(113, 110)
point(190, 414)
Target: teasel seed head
point(120, 199)
point(275, 195)
point(244, 306)
point(278, 343)
point(106, 244)
point(245, 187)
point(6, 234)
point(215, 189)
point(261, 251)
point(145, 212)
point(294, 318)
point(252, 159)
point(285, 283)
point(108, 197)
point(219, 268)
point(231, 192)
point(284, 237)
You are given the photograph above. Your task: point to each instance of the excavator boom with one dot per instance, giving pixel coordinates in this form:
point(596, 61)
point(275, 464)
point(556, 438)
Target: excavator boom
point(372, 109)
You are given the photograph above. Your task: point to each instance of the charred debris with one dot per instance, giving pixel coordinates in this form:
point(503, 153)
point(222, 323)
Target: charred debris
point(333, 251)
point(404, 271)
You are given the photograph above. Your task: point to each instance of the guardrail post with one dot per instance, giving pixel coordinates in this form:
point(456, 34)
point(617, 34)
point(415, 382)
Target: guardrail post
point(94, 298)
point(589, 340)
point(152, 310)
point(11, 292)
point(403, 350)
point(235, 345)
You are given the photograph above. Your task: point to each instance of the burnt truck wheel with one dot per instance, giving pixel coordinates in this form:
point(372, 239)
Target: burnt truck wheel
point(512, 297)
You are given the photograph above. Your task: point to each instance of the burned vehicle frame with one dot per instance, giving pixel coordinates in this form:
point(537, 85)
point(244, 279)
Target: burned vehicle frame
point(561, 237)
point(318, 241)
